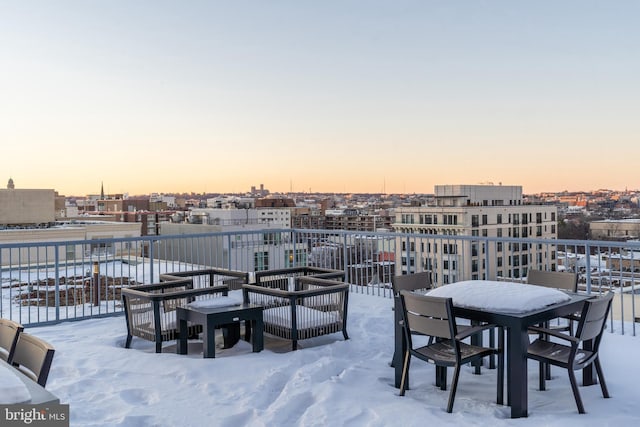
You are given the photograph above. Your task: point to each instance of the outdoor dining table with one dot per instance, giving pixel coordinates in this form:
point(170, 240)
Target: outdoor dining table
point(17, 388)
point(516, 323)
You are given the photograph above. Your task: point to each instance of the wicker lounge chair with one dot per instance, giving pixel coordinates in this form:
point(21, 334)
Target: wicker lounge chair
point(313, 307)
point(150, 309)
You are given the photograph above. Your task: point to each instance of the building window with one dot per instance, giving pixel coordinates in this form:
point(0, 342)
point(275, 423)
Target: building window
point(474, 220)
point(485, 219)
point(261, 261)
point(499, 219)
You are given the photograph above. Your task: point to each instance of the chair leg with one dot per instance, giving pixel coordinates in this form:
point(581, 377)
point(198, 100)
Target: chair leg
point(576, 392)
point(405, 371)
point(344, 334)
point(127, 343)
point(454, 386)
point(159, 347)
point(441, 377)
point(603, 385)
point(542, 376)
point(547, 371)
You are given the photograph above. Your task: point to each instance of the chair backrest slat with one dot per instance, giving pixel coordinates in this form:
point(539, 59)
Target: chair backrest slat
point(9, 332)
point(411, 282)
point(33, 357)
point(428, 315)
point(594, 317)
point(553, 279)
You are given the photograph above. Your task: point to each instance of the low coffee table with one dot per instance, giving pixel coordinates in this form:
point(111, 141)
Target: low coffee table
point(212, 317)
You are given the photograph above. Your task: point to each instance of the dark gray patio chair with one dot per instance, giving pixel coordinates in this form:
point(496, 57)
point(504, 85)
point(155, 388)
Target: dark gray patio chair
point(433, 317)
point(572, 356)
point(566, 281)
point(33, 357)
point(9, 332)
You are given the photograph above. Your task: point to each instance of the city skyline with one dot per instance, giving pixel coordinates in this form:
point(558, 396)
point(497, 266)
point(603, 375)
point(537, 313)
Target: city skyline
point(343, 97)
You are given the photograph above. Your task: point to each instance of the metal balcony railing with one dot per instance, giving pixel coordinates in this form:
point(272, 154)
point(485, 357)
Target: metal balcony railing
point(48, 282)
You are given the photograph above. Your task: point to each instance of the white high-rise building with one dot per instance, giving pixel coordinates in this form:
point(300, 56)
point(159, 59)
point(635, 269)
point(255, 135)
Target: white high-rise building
point(485, 211)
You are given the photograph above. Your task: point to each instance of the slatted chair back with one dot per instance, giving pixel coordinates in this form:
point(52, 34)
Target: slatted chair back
point(9, 332)
point(33, 357)
point(427, 315)
point(553, 279)
point(411, 282)
point(593, 319)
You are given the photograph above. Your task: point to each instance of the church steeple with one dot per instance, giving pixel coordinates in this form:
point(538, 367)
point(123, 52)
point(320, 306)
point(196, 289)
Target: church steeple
point(10, 184)
point(101, 190)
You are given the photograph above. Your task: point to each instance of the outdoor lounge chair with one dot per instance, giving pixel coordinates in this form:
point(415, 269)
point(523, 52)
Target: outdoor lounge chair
point(433, 317)
point(572, 356)
point(313, 307)
point(9, 332)
point(33, 357)
point(150, 310)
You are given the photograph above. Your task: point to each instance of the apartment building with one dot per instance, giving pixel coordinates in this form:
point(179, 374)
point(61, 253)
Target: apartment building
point(483, 211)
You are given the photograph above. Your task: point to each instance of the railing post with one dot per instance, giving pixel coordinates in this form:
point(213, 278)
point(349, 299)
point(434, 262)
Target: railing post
point(587, 259)
point(487, 270)
point(57, 282)
point(151, 257)
point(95, 286)
point(344, 258)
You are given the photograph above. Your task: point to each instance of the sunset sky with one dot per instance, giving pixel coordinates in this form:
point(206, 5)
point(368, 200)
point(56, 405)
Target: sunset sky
point(321, 96)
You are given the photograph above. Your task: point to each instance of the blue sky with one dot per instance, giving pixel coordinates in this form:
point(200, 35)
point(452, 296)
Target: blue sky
point(344, 96)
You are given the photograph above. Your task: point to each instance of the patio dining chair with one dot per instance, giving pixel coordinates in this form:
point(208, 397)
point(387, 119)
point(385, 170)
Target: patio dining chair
point(566, 281)
point(572, 356)
point(33, 357)
point(9, 332)
point(433, 317)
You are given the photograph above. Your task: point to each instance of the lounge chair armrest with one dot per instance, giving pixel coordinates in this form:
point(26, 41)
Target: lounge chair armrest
point(205, 272)
point(186, 293)
point(326, 289)
point(554, 333)
point(179, 282)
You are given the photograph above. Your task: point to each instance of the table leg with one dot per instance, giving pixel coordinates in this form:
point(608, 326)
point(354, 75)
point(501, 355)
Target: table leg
point(231, 334)
point(209, 340)
point(588, 373)
point(400, 344)
point(182, 336)
point(258, 334)
point(517, 344)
